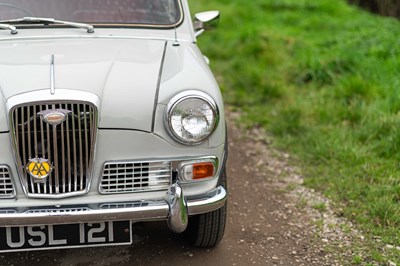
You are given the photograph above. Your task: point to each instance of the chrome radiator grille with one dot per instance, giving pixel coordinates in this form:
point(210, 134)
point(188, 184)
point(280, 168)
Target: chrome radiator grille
point(6, 185)
point(123, 177)
point(68, 147)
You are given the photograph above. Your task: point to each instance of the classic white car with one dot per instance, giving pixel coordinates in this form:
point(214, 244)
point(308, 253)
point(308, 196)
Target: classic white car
point(109, 115)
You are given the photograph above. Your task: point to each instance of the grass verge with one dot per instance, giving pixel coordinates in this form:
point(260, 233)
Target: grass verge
point(324, 78)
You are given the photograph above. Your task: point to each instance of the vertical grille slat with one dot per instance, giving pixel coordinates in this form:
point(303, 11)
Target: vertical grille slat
point(50, 187)
point(68, 147)
point(80, 147)
point(68, 153)
point(75, 162)
point(63, 174)
point(43, 148)
point(62, 187)
point(22, 136)
point(55, 149)
point(86, 139)
point(28, 134)
point(35, 141)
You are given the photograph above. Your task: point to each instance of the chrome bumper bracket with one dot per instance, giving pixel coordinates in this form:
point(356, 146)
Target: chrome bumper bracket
point(178, 212)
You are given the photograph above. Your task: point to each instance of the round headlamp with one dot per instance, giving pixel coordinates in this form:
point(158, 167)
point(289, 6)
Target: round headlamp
point(191, 117)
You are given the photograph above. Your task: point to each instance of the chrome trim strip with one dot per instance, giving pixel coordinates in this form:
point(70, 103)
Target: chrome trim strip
point(139, 211)
point(35, 133)
point(52, 76)
point(49, 158)
point(121, 37)
point(158, 88)
point(63, 155)
point(63, 96)
point(68, 153)
point(80, 148)
point(74, 155)
point(87, 152)
point(55, 150)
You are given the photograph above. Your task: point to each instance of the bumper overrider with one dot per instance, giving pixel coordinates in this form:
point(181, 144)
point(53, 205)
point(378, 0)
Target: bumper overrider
point(175, 208)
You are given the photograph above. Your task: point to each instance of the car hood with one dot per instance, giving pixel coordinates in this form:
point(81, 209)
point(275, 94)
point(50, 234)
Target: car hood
point(123, 73)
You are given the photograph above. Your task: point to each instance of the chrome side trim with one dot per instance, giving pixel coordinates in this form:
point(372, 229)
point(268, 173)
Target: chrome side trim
point(158, 88)
point(118, 37)
point(134, 211)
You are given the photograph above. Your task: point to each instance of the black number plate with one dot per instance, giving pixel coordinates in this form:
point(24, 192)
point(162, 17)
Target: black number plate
point(65, 235)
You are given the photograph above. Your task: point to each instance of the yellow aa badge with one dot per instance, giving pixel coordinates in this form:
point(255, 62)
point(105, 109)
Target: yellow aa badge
point(39, 169)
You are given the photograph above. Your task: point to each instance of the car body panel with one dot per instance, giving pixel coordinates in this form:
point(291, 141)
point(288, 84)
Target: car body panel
point(130, 75)
point(123, 71)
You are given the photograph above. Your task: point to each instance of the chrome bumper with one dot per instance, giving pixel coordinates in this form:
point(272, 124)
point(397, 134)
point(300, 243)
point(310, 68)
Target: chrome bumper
point(175, 208)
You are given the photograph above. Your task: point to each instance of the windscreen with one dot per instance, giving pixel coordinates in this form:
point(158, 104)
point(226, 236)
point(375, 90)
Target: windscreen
point(134, 12)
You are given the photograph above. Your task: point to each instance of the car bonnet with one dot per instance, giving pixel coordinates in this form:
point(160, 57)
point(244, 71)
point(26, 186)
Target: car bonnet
point(123, 73)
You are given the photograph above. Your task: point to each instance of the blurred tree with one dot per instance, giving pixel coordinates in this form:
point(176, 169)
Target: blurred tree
point(382, 7)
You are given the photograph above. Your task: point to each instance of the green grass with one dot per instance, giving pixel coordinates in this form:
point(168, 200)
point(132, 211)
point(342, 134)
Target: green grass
point(324, 78)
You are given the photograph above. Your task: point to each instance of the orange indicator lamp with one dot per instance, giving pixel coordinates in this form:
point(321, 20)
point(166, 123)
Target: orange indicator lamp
point(198, 170)
point(203, 170)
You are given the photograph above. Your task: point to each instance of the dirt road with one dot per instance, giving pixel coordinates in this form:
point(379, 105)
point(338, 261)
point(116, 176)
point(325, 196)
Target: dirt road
point(270, 222)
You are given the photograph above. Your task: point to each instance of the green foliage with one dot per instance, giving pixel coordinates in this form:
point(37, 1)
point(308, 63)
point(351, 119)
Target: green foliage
point(324, 78)
point(386, 211)
point(320, 206)
point(357, 260)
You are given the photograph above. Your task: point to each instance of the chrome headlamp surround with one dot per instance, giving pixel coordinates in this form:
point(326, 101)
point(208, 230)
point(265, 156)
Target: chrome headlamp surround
point(180, 98)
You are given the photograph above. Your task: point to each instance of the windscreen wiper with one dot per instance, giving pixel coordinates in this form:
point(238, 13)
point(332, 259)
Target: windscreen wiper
point(12, 28)
point(88, 27)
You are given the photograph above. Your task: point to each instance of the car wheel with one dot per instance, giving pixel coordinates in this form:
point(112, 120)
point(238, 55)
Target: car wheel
point(207, 229)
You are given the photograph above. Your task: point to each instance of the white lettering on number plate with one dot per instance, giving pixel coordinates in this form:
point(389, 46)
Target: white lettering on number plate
point(28, 237)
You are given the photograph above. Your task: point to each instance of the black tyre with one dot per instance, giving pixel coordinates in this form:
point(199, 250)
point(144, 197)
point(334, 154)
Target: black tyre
point(207, 229)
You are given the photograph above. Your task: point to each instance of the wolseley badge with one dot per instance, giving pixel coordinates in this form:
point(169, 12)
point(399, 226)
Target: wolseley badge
point(54, 117)
point(39, 169)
